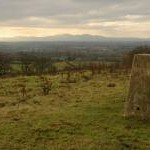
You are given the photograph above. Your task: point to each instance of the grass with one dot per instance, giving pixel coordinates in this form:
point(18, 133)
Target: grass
point(86, 115)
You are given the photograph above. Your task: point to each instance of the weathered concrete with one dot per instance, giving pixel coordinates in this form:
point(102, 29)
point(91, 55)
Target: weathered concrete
point(138, 102)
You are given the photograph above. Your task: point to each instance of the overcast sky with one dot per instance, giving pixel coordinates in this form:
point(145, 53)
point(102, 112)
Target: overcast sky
point(112, 18)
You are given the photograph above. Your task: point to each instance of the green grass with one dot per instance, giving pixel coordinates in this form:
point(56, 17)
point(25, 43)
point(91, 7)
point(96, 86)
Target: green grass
point(86, 115)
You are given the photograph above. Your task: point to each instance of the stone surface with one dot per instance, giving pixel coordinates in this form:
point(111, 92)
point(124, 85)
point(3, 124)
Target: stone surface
point(138, 102)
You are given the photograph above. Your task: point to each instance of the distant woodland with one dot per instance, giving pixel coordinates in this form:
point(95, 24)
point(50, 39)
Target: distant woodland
point(27, 58)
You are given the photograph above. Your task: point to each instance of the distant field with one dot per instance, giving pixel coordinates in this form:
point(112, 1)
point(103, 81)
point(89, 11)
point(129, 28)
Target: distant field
point(86, 114)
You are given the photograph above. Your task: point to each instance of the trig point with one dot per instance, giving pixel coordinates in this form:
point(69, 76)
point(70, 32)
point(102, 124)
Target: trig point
point(138, 102)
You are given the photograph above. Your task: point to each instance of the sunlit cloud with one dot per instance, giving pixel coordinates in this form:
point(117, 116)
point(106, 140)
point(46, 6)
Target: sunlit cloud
point(8, 32)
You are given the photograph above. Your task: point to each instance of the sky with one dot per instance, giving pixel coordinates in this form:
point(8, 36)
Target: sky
point(110, 18)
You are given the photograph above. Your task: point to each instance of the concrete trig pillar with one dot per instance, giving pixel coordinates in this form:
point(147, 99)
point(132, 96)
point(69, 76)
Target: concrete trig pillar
point(138, 102)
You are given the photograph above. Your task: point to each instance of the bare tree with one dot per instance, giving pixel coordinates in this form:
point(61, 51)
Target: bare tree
point(5, 63)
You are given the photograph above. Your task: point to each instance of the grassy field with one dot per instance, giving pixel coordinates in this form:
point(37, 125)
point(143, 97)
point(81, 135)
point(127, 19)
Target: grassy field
point(85, 115)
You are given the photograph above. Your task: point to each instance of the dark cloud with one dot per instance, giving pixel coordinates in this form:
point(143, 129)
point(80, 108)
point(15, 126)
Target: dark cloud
point(10, 9)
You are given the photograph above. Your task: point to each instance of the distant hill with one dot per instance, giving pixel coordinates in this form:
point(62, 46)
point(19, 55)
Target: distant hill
point(77, 38)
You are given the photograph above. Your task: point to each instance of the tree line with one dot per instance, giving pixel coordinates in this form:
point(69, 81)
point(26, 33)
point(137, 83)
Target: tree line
point(37, 63)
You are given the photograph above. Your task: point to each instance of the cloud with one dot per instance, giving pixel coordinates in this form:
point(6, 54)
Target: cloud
point(103, 15)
